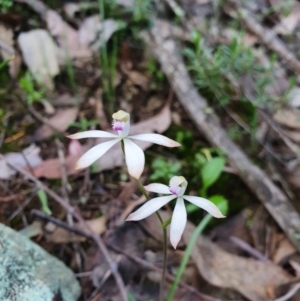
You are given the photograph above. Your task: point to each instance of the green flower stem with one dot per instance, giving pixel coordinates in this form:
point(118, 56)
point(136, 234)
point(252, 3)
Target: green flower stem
point(187, 254)
point(165, 245)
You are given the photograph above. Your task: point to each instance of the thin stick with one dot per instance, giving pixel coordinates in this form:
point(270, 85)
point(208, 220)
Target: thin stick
point(290, 294)
point(165, 244)
point(42, 119)
point(74, 211)
point(250, 250)
point(59, 223)
point(65, 190)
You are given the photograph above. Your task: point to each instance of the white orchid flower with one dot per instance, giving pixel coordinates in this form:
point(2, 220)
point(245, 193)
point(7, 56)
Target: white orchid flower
point(134, 155)
point(176, 190)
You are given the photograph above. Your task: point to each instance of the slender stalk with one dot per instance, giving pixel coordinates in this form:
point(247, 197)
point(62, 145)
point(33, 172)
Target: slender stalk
point(165, 249)
point(187, 255)
point(165, 245)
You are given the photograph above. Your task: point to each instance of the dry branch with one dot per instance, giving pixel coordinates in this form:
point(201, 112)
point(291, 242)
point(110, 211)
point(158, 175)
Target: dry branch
point(267, 36)
point(275, 201)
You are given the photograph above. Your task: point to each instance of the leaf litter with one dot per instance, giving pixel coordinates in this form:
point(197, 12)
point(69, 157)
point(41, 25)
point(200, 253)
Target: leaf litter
point(228, 267)
point(40, 55)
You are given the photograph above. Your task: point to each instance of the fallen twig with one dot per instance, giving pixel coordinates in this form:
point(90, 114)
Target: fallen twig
point(289, 294)
point(75, 213)
point(275, 201)
point(247, 248)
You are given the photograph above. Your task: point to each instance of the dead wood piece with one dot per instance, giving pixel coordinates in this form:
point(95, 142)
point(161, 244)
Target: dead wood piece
point(275, 201)
point(267, 36)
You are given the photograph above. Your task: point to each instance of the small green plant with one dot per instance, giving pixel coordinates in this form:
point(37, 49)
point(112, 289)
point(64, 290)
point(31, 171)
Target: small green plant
point(163, 169)
point(84, 124)
point(154, 70)
point(215, 69)
point(141, 10)
point(32, 93)
point(5, 5)
point(109, 67)
point(44, 201)
point(210, 173)
point(108, 63)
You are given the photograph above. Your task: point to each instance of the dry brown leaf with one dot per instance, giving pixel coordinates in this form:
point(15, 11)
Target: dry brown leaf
point(249, 277)
point(284, 249)
point(60, 122)
point(87, 32)
point(40, 55)
point(79, 44)
point(52, 169)
point(293, 135)
point(6, 36)
point(233, 226)
point(137, 78)
point(71, 9)
point(293, 97)
point(60, 235)
point(29, 156)
point(288, 117)
point(66, 37)
point(92, 33)
point(294, 180)
point(66, 100)
point(288, 23)
point(258, 229)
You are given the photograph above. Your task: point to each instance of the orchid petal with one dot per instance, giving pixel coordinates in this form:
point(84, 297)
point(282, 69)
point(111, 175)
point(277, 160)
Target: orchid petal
point(205, 204)
point(158, 188)
point(135, 158)
point(92, 134)
point(95, 153)
point(156, 138)
point(178, 222)
point(150, 207)
point(126, 130)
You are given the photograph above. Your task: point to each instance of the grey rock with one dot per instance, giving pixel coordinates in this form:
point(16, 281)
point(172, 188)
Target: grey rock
point(29, 273)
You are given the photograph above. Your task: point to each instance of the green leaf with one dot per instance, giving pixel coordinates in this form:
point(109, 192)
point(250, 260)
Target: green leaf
point(211, 171)
point(130, 297)
point(220, 202)
point(44, 201)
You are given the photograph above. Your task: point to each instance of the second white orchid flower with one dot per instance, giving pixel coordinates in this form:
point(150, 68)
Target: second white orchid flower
point(134, 155)
point(176, 190)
